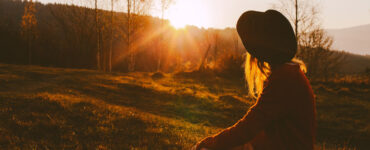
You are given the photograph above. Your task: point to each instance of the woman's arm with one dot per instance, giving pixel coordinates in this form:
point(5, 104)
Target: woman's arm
point(270, 107)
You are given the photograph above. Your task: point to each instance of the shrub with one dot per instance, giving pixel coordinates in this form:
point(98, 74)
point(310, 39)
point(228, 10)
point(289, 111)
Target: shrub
point(230, 65)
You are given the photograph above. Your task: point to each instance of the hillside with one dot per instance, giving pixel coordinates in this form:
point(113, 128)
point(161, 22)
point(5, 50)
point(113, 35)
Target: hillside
point(51, 108)
point(354, 39)
point(356, 63)
point(66, 39)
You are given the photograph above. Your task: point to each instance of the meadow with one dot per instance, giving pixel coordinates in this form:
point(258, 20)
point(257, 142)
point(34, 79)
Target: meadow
point(56, 108)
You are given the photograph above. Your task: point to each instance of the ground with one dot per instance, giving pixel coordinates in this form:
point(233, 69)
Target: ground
point(54, 108)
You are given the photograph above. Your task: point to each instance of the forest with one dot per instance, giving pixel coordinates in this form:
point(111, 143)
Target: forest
point(71, 36)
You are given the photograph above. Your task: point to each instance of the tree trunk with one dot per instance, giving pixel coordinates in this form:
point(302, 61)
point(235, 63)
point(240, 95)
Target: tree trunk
point(28, 41)
point(202, 65)
point(97, 36)
point(296, 20)
point(111, 39)
point(160, 48)
point(128, 34)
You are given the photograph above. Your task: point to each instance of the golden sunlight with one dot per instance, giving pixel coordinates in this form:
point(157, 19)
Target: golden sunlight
point(189, 12)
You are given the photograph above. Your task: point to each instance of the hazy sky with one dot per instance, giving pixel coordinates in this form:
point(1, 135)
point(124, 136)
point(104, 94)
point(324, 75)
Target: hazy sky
point(224, 13)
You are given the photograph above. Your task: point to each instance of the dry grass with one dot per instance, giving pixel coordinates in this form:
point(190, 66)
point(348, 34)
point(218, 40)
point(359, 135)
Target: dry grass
point(51, 108)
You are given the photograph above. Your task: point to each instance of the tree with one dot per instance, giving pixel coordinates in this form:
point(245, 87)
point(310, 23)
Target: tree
point(111, 37)
point(320, 60)
point(29, 28)
point(77, 24)
point(136, 9)
point(164, 6)
point(98, 35)
point(304, 15)
point(236, 41)
point(211, 38)
point(314, 45)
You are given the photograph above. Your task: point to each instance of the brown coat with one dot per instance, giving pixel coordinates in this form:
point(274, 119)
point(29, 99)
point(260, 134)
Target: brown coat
point(283, 117)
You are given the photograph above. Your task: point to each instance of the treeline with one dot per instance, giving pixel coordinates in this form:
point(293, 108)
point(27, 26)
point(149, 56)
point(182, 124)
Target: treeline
point(64, 36)
point(72, 36)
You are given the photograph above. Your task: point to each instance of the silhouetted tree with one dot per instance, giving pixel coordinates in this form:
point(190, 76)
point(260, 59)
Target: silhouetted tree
point(67, 38)
point(236, 41)
point(304, 15)
point(314, 45)
point(212, 40)
point(29, 28)
point(98, 35)
point(135, 9)
point(320, 60)
point(110, 53)
point(164, 5)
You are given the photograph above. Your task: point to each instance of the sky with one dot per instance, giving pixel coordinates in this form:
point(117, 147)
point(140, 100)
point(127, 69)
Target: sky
point(334, 14)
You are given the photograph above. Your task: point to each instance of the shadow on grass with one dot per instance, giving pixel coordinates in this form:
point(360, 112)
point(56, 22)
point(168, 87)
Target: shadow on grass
point(180, 106)
point(39, 123)
point(43, 124)
point(214, 83)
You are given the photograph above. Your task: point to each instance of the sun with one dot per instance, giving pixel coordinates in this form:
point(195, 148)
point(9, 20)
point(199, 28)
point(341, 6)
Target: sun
point(188, 12)
point(179, 20)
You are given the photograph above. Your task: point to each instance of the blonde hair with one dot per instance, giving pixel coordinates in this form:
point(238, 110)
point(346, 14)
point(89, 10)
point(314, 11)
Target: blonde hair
point(257, 71)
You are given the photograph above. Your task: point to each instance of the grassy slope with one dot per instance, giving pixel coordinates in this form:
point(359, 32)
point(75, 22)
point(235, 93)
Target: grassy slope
point(79, 109)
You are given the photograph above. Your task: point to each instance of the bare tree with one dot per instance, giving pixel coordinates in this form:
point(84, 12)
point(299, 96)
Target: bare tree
point(211, 38)
point(28, 25)
point(165, 4)
point(135, 10)
point(97, 32)
point(111, 37)
point(320, 60)
point(314, 45)
point(236, 41)
point(296, 19)
point(104, 35)
point(304, 15)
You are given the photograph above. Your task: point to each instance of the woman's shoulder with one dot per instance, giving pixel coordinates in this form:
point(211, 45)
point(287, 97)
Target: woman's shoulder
point(286, 71)
point(285, 79)
point(287, 76)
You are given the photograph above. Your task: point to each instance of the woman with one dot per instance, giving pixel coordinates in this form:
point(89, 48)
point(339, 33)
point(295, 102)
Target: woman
point(283, 117)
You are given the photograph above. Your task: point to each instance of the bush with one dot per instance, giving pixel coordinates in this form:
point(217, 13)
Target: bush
point(344, 91)
point(157, 75)
point(230, 65)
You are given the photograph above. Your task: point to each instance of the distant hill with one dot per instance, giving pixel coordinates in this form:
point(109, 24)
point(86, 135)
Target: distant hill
point(355, 63)
point(353, 39)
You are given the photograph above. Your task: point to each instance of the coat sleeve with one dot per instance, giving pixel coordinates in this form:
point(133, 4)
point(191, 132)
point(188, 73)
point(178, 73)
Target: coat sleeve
point(269, 107)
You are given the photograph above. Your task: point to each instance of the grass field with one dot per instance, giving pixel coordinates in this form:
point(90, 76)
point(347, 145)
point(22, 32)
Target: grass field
point(51, 108)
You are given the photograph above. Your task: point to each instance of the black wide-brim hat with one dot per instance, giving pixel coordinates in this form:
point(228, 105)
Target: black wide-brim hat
point(268, 36)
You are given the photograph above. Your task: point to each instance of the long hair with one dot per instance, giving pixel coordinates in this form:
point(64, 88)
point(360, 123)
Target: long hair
point(257, 71)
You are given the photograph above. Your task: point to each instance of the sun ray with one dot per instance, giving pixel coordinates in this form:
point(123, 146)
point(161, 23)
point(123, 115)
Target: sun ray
point(141, 42)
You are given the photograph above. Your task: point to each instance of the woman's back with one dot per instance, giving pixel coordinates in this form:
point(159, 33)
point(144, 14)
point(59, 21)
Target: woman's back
point(283, 117)
point(295, 128)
